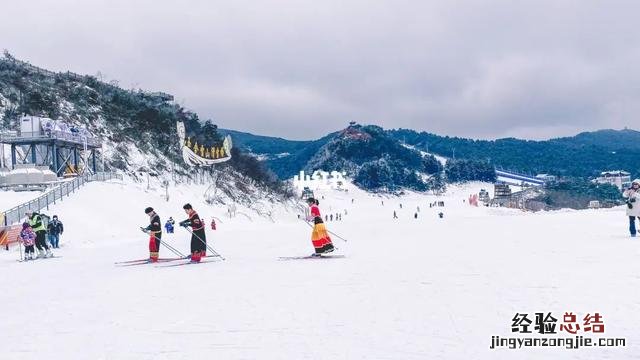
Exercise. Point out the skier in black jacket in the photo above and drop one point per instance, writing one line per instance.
(155, 233)
(55, 229)
(198, 238)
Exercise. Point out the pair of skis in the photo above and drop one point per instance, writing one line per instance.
(203, 261)
(146, 261)
(39, 258)
(284, 258)
(161, 261)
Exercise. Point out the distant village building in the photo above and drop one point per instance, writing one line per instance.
(547, 178)
(484, 196)
(501, 191)
(619, 178)
(517, 179)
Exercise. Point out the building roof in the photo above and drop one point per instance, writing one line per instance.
(615, 173)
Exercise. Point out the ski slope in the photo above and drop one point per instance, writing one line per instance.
(425, 288)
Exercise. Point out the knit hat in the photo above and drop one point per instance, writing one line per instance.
(148, 210)
(25, 225)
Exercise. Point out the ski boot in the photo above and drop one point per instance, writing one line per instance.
(48, 254)
(41, 254)
(195, 257)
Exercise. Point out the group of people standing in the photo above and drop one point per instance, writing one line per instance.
(198, 237)
(319, 236)
(34, 234)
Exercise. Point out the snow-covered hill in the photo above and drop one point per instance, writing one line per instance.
(425, 288)
(136, 128)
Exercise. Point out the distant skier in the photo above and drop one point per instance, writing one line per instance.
(415, 215)
(418, 208)
(55, 229)
(331, 217)
(319, 236)
(352, 201)
(35, 221)
(155, 233)
(441, 215)
(400, 205)
(632, 194)
(28, 238)
(213, 224)
(198, 239)
(395, 216)
(169, 225)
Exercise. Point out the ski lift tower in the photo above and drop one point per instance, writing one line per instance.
(46, 142)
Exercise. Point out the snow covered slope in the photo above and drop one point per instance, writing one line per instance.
(425, 288)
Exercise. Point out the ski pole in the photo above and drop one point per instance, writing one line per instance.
(205, 244)
(171, 248)
(336, 235)
(330, 232)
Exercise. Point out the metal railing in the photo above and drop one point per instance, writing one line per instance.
(49, 134)
(15, 214)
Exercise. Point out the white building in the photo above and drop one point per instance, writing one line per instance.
(546, 177)
(619, 178)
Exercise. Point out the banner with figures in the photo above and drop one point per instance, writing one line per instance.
(202, 154)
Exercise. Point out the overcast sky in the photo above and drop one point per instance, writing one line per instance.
(300, 69)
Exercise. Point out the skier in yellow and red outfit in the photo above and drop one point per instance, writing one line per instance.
(319, 236)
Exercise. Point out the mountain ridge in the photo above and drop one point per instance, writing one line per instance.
(601, 150)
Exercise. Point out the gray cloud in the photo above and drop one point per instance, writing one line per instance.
(299, 69)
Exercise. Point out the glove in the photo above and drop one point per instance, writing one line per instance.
(143, 229)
